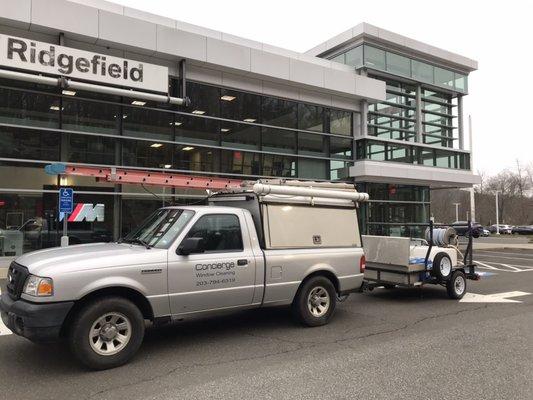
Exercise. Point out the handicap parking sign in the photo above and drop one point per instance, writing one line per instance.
(66, 200)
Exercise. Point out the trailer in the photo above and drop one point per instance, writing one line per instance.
(404, 262)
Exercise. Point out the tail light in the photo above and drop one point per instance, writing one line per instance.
(362, 264)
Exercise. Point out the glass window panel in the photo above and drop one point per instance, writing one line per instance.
(421, 71)
(338, 169)
(397, 64)
(205, 99)
(240, 106)
(312, 169)
(341, 148)
(425, 157)
(374, 58)
(398, 153)
(90, 116)
(354, 57)
(279, 112)
(340, 122)
(443, 77)
(239, 162)
(29, 144)
(199, 159)
(443, 159)
(240, 135)
(279, 140)
(340, 58)
(25, 108)
(311, 144)
(147, 123)
(310, 117)
(140, 153)
(461, 82)
(277, 165)
(92, 149)
(197, 130)
(375, 151)
(219, 232)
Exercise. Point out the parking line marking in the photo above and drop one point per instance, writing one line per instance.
(486, 265)
(510, 258)
(3, 329)
(511, 267)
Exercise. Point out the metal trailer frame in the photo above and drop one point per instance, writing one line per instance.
(419, 274)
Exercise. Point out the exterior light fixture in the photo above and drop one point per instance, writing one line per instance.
(138, 103)
(188, 148)
(228, 98)
(156, 145)
(198, 112)
(69, 92)
(249, 120)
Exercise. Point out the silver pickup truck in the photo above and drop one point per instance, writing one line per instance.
(262, 245)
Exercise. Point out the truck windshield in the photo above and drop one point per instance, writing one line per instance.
(160, 229)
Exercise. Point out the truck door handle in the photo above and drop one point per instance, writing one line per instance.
(242, 262)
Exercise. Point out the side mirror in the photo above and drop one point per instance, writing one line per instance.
(191, 245)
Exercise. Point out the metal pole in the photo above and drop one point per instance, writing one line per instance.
(457, 211)
(497, 215)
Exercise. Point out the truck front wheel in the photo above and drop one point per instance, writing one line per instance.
(106, 333)
(315, 301)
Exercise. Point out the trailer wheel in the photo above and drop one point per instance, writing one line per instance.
(315, 301)
(442, 266)
(106, 333)
(456, 286)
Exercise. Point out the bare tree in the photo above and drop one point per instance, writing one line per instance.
(483, 179)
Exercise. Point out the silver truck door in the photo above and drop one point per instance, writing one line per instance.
(223, 276)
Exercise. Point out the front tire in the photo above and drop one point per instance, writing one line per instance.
(106, 333)
(456, 286)
(315, 301)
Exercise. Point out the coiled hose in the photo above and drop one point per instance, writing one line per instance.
(444, 237)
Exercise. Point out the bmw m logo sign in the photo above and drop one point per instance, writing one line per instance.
(86, 212)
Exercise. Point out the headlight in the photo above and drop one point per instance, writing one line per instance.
(37, 286)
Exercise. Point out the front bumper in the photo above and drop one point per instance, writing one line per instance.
(39, 322)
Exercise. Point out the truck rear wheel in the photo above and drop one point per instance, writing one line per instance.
(106, 333)
(315, 301)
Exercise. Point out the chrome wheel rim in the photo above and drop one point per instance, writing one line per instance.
(318, 301)
(445, 266)
(110, 333)
(459, 285)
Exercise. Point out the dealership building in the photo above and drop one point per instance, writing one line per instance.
(93, 83)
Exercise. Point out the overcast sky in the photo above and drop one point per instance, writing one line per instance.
(496, 34)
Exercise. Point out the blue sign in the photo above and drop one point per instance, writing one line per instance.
(66, 200)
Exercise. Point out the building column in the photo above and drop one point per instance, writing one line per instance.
(418, 114)
(460, 127)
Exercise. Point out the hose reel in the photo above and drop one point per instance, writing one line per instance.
(443, 237)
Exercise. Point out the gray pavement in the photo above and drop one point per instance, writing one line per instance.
(385, 344)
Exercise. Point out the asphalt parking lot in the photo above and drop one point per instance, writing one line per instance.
(384, 344)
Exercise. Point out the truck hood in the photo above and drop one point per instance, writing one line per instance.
(89, 256)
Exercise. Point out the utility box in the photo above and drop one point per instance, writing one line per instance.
(11, 243)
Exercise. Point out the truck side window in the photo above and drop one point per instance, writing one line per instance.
(221, 232)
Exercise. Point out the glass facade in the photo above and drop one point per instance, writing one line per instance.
(225, 132)
(383, 60)
(395, 210)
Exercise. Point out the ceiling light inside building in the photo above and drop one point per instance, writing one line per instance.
(167, 166)
(138, 103)
(156, 145)
(227, 98)
(188, 148)
(54, 108)
(176, 123)
(69, 92)
(198, 112)
(249, 120)
(225, 130)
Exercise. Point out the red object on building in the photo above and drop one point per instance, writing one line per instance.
(120, 175)
(2, 203)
